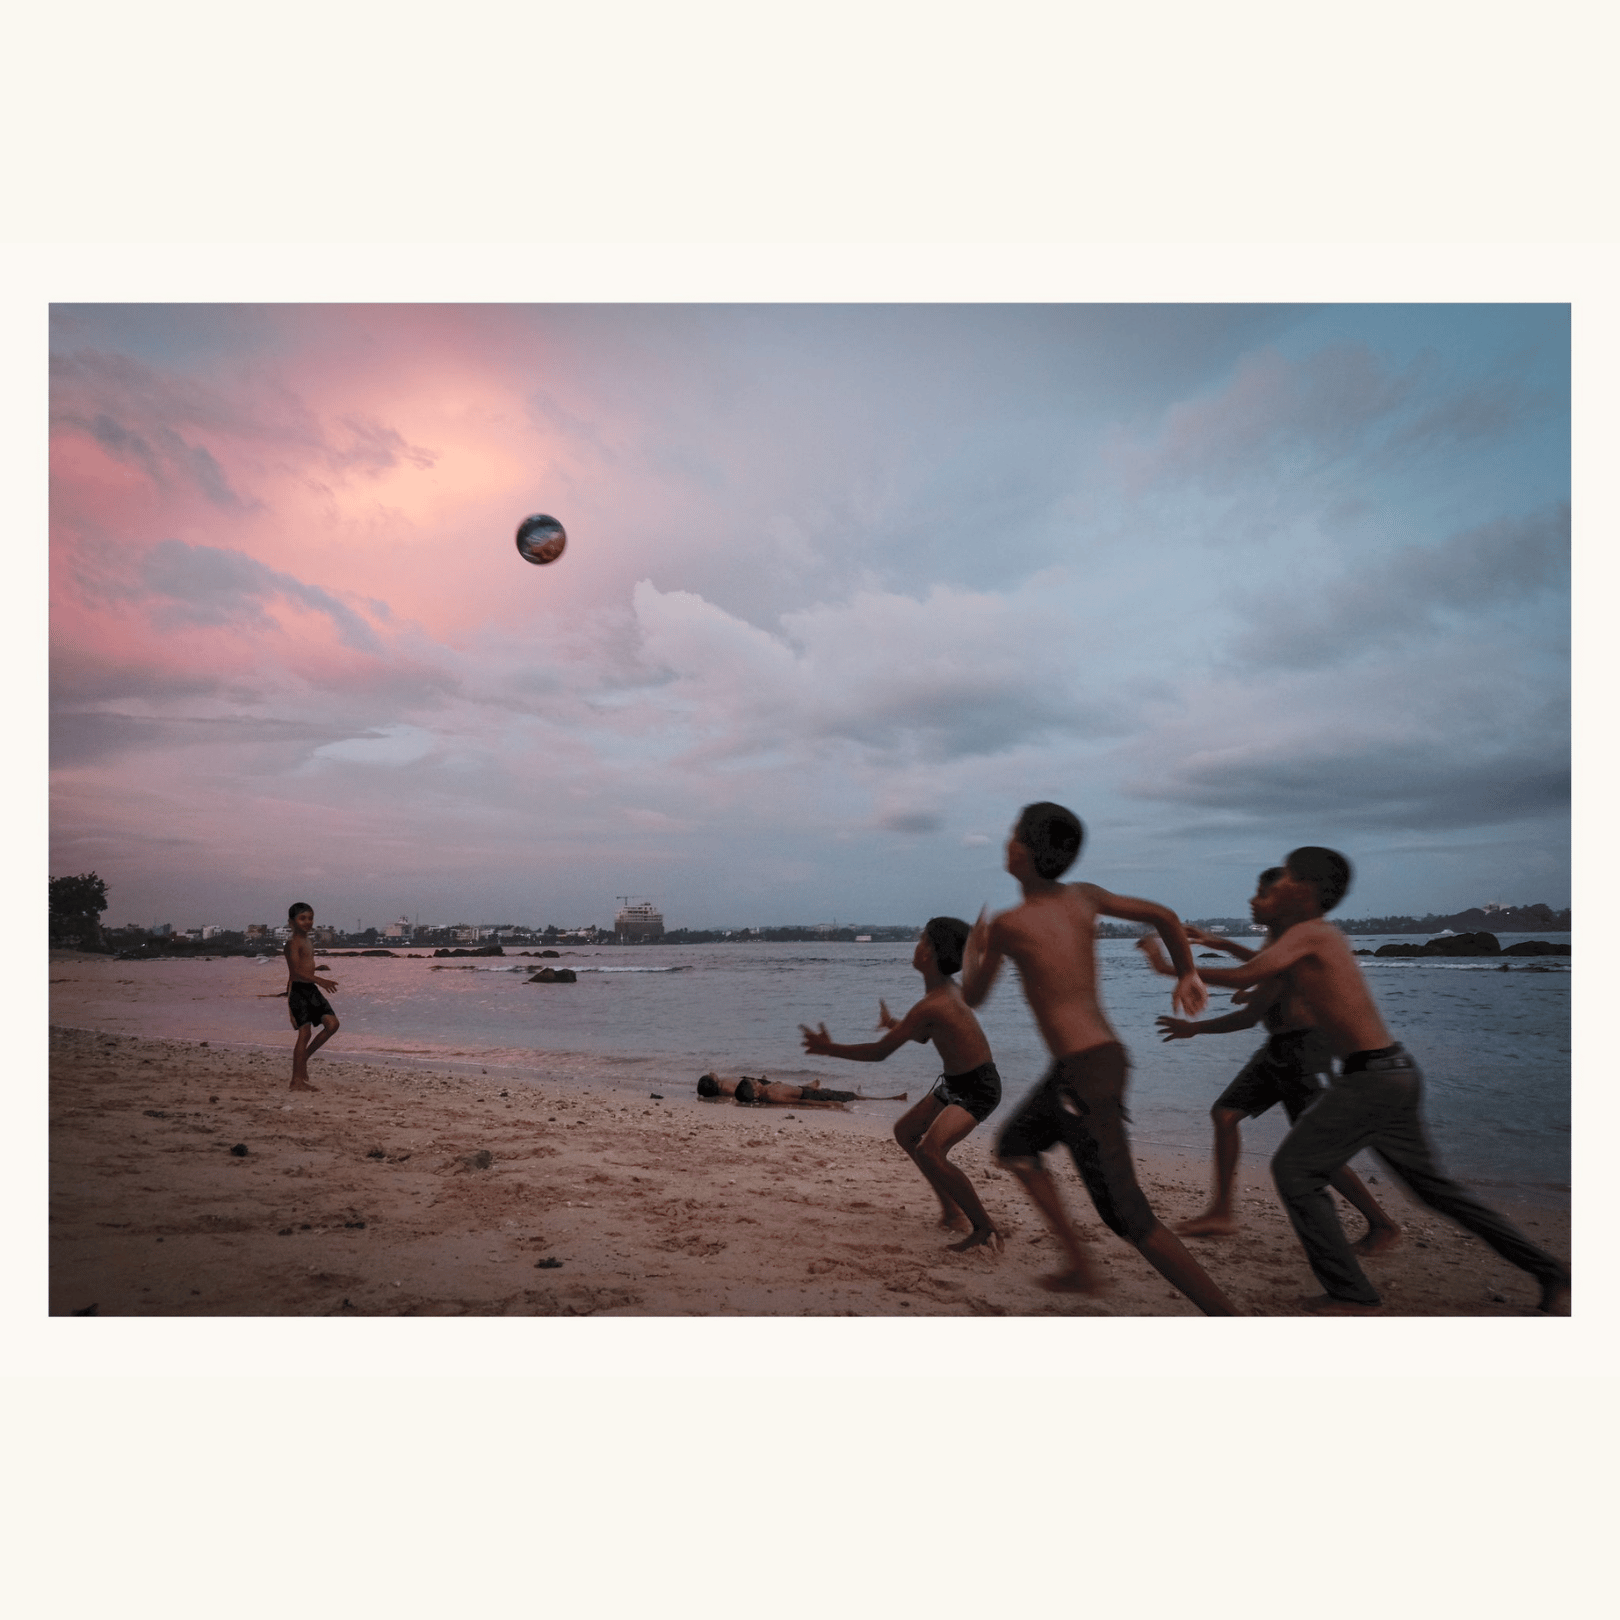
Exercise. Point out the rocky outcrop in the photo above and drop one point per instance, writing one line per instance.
(1477, 944)
(549, 975)
(479, 950)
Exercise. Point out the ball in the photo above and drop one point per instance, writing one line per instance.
(540, 539)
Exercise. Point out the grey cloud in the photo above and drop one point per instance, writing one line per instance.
(911, 821)
(376, 448)
(1406, 785)
(1401, 596)
(172, 455)
(211, 586)
(88, 737)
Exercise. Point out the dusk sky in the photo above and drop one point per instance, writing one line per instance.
(844, 587)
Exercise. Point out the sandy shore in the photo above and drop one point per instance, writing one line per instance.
(405, 1192)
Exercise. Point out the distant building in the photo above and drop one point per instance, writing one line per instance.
(398, 930)
(323, 934)
(637, 920)
(256, 931)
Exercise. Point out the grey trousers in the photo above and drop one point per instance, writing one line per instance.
(1379, 1108)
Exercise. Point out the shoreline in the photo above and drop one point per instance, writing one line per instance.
(371, 1196)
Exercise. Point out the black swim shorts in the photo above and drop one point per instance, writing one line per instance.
(1284, 1071)
(308, 1005)
(978, 1091)
(1081, 1103)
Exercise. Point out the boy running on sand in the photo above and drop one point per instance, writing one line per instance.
(306, 1006)
(1051, 937)
(967, 1093)
(1284, 1071)
(1375, 1102)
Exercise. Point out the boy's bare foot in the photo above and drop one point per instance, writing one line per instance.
(300, 1084)
(989, 1238)
(1554, 1297)
(1327, 1305)
(1069, 1282)
(1207, 1226)
(1377, 1240)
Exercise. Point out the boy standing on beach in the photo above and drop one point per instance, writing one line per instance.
(967, 1093)
(1284, 1070)
(1375, 1102)
(306, 1006)
(1051, 937)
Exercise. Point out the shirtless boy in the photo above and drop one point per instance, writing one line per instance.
(1375, 1102)
(1050, 938)
(967, 1093)
(1284, 1071)
(306, 1006)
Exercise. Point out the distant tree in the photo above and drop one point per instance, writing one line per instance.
(76, 907)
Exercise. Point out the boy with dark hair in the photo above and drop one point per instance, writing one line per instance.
(1375, 1102)
(967, 1093)
(1051, 939)
(306, 1006)
(1284, 1070)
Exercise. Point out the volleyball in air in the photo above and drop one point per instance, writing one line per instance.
(540, 539)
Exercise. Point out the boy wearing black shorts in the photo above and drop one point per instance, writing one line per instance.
(1051, 939)
(967, 1093)
(306, 1006)
(1285, 1070)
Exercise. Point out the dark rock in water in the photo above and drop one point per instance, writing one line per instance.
(481, 1160)
(1208, 956)
(1536, 947)
(1480, 944)
(550, 975)
(1361, 953)
(240, 1150)
(548, 953)
(481, 950)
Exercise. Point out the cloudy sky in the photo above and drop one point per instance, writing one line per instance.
(844, 587)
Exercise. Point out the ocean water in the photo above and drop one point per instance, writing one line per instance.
(1494, 1046)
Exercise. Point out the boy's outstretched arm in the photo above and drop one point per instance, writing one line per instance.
(981, 960)
(913, 1027)
(1245, 1017)
(1277, 957)
(1218, 942)
(1189, 995)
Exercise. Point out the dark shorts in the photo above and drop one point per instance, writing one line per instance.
(1081, 1103)
(1284, 1071)
(978, 1091)
(308, 1005)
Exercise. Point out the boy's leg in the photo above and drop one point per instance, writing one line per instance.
(1217, 1220)
(949, 1180)
(1405, 1147)
(1382, 1233)
(1091, 1096)
(909, 1131)
(1342, 1121)
(1081, 1276)
(329, 1028)
(300, 1072)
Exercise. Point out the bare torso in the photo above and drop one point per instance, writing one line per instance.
(954, 1030)
(1051, 939)
(300, 956)
(1327, 986)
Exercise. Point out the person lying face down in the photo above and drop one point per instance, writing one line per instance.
(752, 1090)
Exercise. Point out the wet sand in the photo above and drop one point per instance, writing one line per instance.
(405, 1192)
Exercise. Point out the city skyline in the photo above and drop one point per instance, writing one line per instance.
(844, 586)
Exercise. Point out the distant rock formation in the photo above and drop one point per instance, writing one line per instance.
(550, 975)
(480, 950)
(1475, 944)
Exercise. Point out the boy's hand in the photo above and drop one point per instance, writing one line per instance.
(1150, 947)
(1202, 936)
(326, 984)
(886, 1019)
(817, 1042)
(1175, 1029)
(1190, 995)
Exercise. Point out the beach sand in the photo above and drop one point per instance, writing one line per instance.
(405, 1192)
